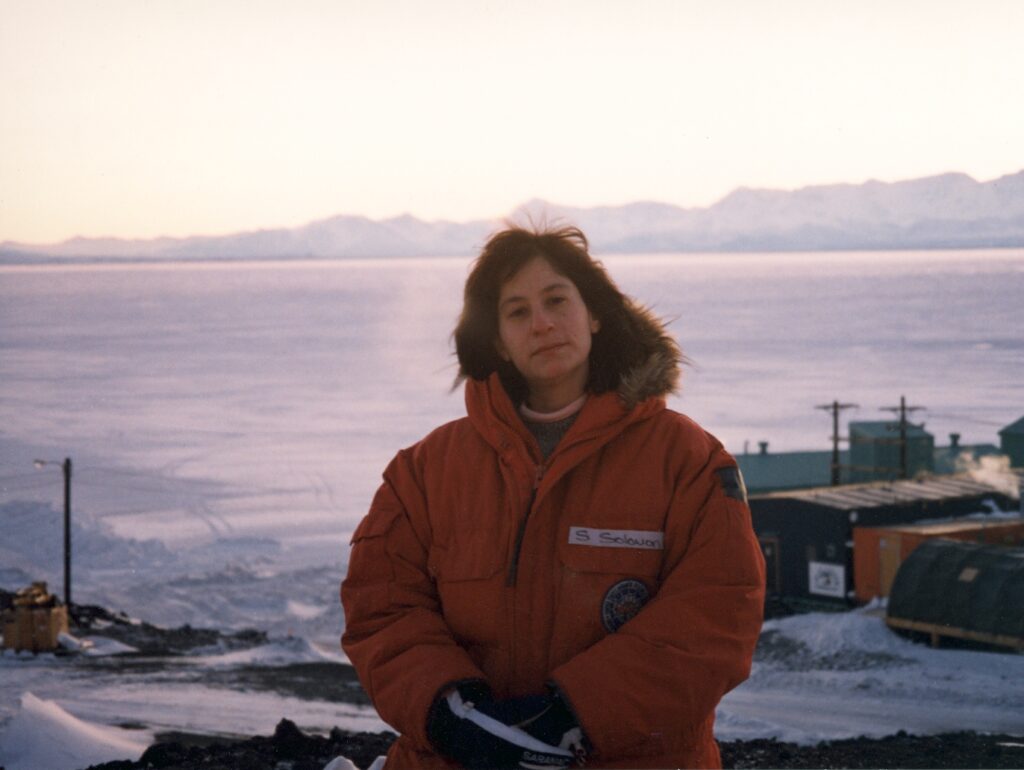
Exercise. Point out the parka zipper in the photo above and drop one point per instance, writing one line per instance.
(513, 568)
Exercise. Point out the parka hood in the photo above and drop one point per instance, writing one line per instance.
(658, 374)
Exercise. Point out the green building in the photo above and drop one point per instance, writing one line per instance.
(878, 452)
(874, 455)
(1011, 441)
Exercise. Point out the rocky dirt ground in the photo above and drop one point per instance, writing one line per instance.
(289, 749)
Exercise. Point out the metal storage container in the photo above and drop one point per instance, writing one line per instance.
(961, 590)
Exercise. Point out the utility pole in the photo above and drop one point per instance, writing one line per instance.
(902, 410)
(835, 407)
(66, 468)
(67, 532)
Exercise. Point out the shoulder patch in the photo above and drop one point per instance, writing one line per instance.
(732, 483)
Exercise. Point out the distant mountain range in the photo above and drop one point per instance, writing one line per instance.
(949, 211)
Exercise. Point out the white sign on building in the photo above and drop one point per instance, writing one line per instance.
(826, 579)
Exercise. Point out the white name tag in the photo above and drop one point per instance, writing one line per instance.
(617, 538)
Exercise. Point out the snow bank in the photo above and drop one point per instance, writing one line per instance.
(340, 763)
(231, 583)
(344, 763)
(42, 734)
(281, 652)
(101, 646)
(825, 676)
(231, 597)
(836, 634)
(94, 647)
(96, 546)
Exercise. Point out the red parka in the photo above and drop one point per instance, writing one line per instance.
(623, 570)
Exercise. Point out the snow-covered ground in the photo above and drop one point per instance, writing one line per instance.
(826, 676)
(44, 735)
(104, 703)
(228, 583)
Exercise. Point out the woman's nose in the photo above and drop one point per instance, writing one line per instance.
(541, 320)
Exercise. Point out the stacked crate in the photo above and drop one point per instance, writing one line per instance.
(35, 620)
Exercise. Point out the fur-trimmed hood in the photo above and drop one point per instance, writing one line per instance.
(659, 373)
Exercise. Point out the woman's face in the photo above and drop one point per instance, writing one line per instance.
(544, 330)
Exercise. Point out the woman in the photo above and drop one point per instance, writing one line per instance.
(572, 559)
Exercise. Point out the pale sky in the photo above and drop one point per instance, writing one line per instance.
(141, 118)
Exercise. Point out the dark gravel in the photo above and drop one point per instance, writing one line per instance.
(290, 749)
(156, 640)
(950, 750)
(287, 749)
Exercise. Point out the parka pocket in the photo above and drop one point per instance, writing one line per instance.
(470, 585)
(641, 562)
(367, 589)
(375, 524)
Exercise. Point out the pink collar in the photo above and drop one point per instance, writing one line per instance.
(566, 411)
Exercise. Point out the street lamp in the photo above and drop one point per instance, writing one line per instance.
(66, 466)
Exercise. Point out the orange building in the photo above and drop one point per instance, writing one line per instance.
(879, 551)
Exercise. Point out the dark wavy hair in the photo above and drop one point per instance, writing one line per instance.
(617, 347)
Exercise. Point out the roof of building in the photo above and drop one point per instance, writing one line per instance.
(881, 493)
(1014, 427)
(885, 429)
(953, 526)
(775, 471)
(787, 470)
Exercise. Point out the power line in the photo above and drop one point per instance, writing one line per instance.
(34, 475)
(134, 511)
(123, 472)
(25, 486)
(965, 418)
(128, 487)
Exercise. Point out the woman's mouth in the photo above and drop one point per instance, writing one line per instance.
(548, 348)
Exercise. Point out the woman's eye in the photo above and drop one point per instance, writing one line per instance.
(556, 300)
(519, 312)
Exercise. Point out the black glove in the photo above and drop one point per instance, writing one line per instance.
(545, 717)
(461, 729)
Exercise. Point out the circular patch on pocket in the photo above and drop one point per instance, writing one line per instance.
(623, 601)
